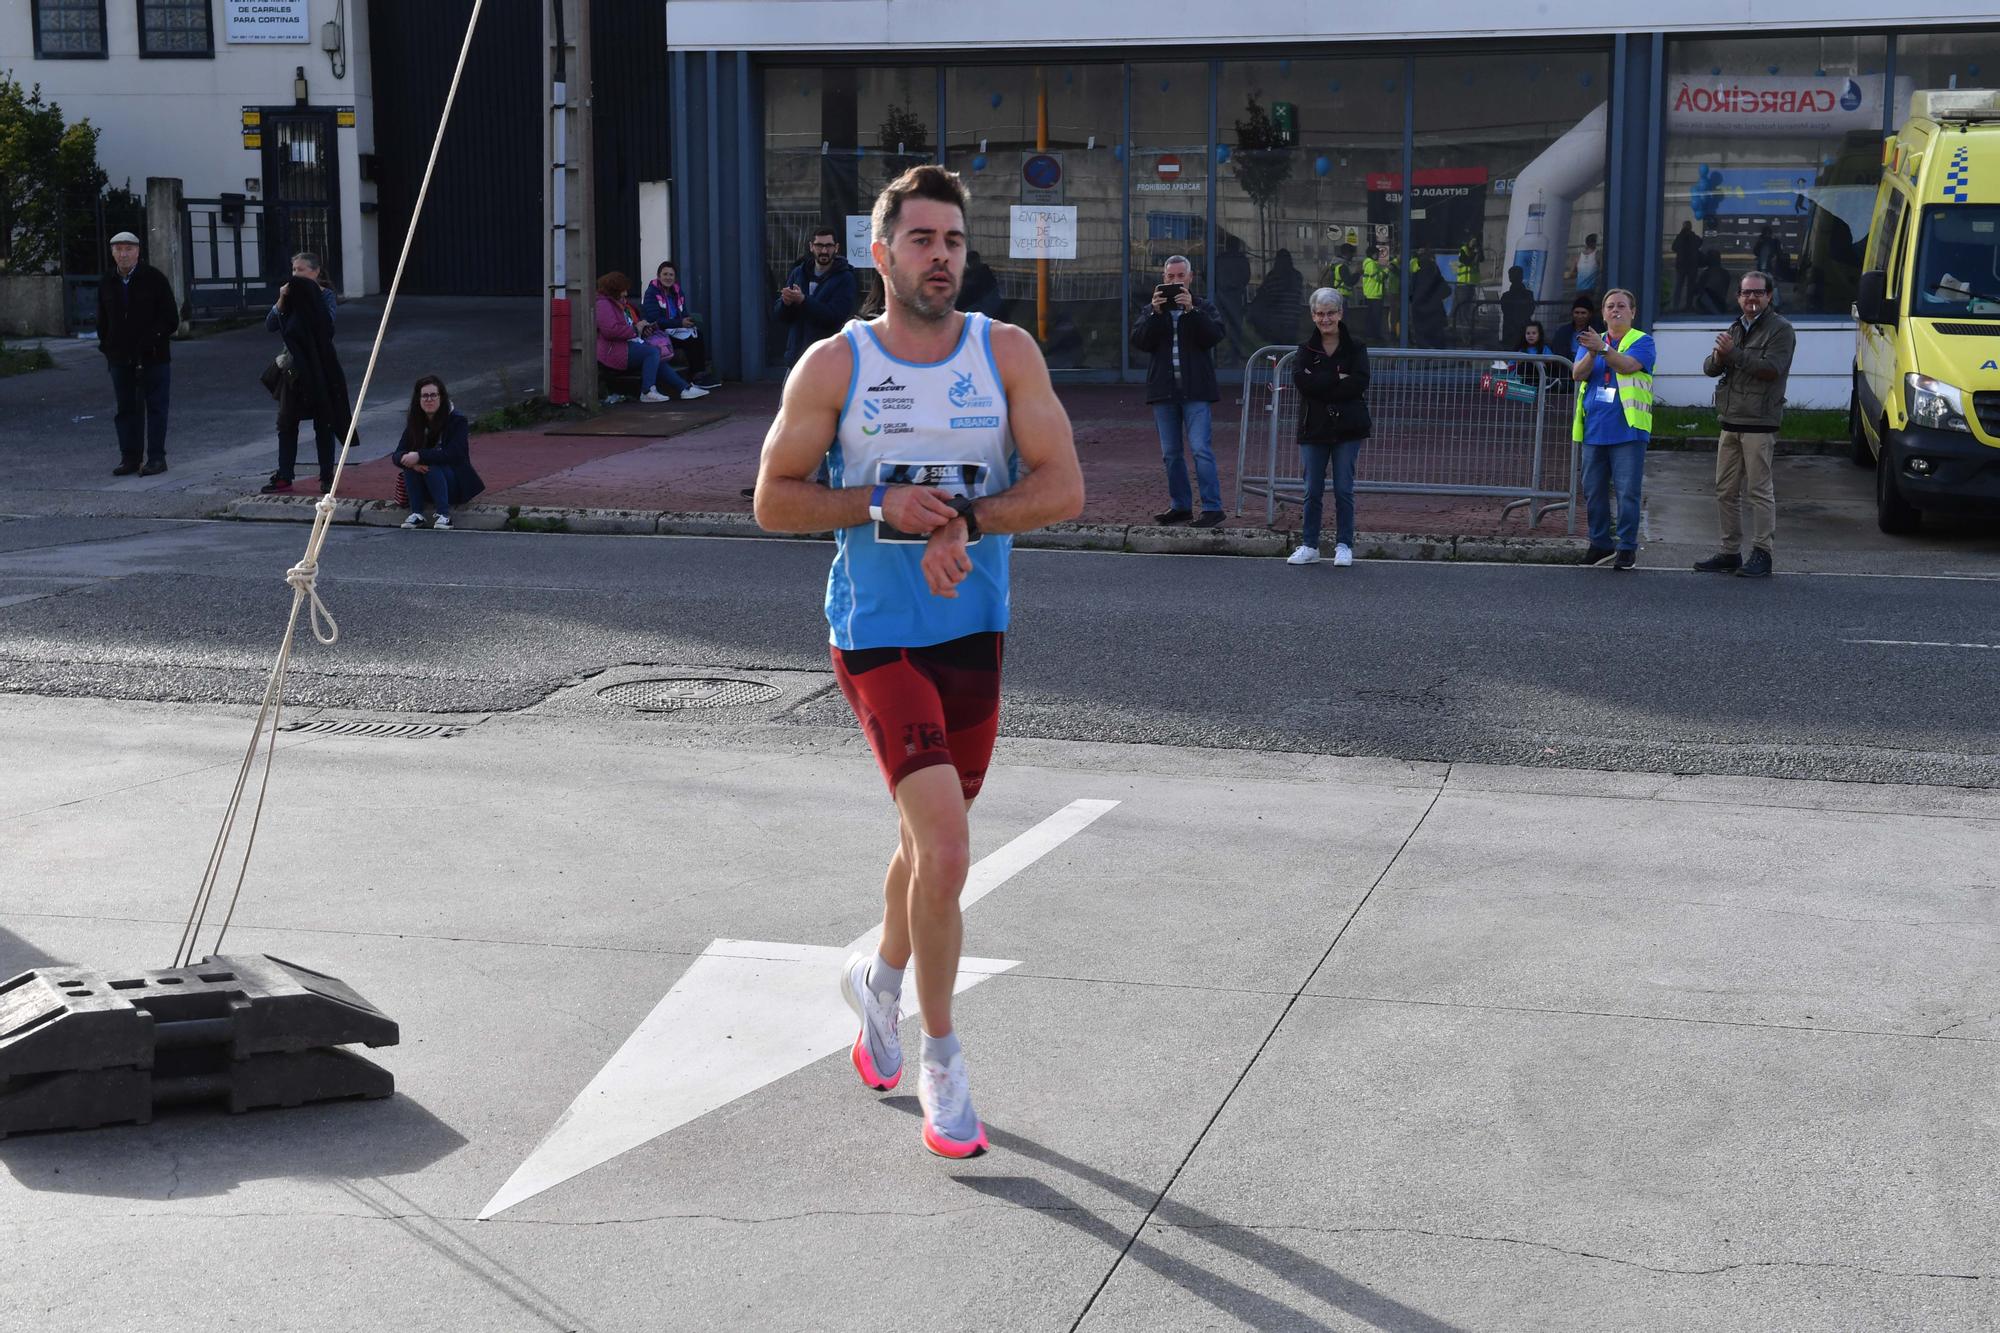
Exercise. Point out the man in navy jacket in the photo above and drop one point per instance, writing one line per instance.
(818, 297)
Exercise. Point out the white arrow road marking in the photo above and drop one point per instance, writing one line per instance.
(745, 1014)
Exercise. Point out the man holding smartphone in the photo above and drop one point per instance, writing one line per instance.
(1179, 332)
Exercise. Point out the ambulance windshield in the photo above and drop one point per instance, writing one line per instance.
(1958, 263)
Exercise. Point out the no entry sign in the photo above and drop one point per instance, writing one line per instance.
(1168, 167)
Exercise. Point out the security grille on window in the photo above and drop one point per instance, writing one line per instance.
(175, 28)
(69, 28)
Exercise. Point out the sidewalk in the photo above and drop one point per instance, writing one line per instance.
(691, 483)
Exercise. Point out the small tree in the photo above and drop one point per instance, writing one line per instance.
(902, 134)
(1261, 164)
(48, 171)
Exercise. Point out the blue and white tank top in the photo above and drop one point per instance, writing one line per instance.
(905, 423)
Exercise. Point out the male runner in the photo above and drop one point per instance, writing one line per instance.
(924, 418)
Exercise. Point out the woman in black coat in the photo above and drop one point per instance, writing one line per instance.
(435, 454)
(315, 376)
(1330, 371)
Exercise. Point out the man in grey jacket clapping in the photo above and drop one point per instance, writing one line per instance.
(1751, 363)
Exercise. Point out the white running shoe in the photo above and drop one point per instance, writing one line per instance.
(951, 1129)
(878, 1052)
(692, 392)
(654, 396)
(1305, 555)
(1342, 555)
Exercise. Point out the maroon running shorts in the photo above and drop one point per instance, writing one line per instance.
(924, 706)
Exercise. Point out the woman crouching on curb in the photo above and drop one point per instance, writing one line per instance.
(436, 456)
(1330, 371)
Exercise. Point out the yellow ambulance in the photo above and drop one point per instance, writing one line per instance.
(1926, 405)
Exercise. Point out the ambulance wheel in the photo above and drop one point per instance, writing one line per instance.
(1893, 514)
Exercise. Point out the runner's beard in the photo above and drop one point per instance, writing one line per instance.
(923, 303)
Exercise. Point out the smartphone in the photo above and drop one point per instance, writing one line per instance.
(1171, 290)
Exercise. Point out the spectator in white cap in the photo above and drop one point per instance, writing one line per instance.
(136, 319)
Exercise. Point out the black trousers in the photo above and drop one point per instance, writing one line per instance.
(292, 409)
(694, 355)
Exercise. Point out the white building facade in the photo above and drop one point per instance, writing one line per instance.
(261, 108)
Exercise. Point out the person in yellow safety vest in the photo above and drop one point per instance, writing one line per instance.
(1469, 256)
(1378, 270)
(1613, 424)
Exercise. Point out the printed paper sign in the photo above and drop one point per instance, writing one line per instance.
(266, 21)
(1042, 231)
(859, 233)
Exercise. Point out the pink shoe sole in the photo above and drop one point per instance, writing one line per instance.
(865, 1066)
(951, 1148)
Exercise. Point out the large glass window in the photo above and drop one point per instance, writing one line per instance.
(1944, 60)
(1044, 134)
(1773, 147)
(833, 137)
(1309, 150)
(1507, 205)
(1167, 213)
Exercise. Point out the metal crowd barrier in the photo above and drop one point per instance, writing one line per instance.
(1445, 423)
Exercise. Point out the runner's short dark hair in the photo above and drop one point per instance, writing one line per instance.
(929, 181)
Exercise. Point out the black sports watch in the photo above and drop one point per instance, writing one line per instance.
(962, 505)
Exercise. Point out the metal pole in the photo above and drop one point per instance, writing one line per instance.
(1042, 146)
(569, 372)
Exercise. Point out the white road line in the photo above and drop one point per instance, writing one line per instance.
(745, 1014)
(1919, 643)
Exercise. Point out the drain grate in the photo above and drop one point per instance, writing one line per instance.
(398, 730)
(674, 693)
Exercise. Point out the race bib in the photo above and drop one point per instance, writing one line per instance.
(967, 479)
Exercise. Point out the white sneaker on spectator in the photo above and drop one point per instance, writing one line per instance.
(415, 521)
(654, 396)
(693, 391)
(442, 523)
(1342, 555)
(1305, 555)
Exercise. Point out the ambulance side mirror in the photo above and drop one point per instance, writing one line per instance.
(1871, 301)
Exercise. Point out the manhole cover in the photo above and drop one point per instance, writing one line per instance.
(678, 692)
(401, 730)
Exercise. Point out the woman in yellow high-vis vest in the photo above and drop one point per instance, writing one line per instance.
(1613, 424)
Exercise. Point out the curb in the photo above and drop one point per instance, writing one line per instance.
(1134, 539)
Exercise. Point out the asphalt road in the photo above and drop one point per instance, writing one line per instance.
(1874, 679)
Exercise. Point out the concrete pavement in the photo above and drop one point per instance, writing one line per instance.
(1294, 1042)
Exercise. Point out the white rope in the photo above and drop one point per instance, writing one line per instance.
(304, 579)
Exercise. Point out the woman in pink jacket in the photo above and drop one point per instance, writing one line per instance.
(622, 344)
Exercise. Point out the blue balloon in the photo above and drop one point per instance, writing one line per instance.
(996, 99)
(1222, 152)
(1819, 74)
(1285, 67)
(1333, 85)
(1770, 69)
(1166, 84)
(1583, 80)
(1118, 152)
(1972, 71)
(1388, 85)
(979, 162)
(1322, 165)
(1715, 70)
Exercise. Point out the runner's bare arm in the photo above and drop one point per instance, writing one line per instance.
(788, 500)
(1052, 491)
